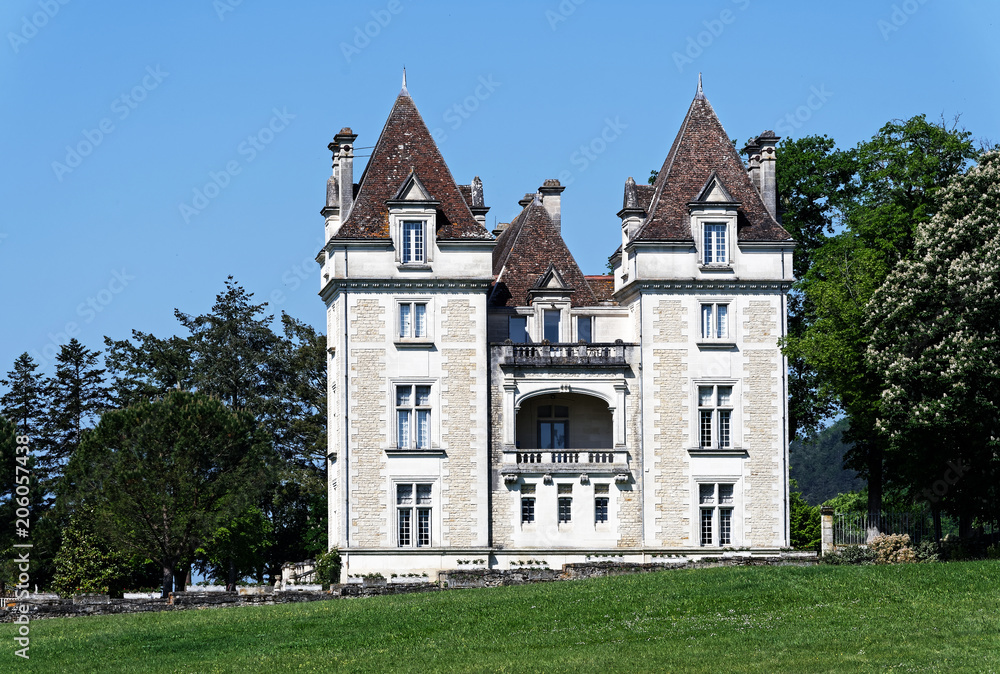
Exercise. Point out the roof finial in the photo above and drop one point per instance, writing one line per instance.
(700, 96)
(404, 91)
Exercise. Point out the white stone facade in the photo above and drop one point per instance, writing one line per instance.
(655, 424)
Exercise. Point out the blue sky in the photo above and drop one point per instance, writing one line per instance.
(114, 113)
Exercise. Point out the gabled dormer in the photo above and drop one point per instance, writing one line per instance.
(413, 223)
(714, 214)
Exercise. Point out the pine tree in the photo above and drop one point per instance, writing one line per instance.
(77, 397)
(24, 402)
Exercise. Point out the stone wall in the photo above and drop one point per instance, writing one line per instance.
(668, 475)
(461, 436)
(502, 502)
(629, 496)
(761, 419)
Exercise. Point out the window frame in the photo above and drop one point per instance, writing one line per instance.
(727, 220)
(510, 330)
(406, 228)
(397, 227)
(713, 334)
(719, 415)
(416, 513)
(564, 503)
(413, 408)
(412, 337)
(718, 513)
(588, 320)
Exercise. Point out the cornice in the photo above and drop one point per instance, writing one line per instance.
(341, 284)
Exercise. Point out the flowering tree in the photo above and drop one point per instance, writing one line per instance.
(935, 326)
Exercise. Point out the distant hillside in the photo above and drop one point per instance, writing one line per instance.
(817, 464)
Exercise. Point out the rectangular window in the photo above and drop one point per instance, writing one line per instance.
(527, 503)
(714, 321)
(553, 427)
(600, 509)
(584, 329)
(551, 319)
(715, 244)
(413, 242)
(409, 508)
(413, 320)
(565, 509)
(716, 508)
(413, 416)
(517, 329)
(715, 414)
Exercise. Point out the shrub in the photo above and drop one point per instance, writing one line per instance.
(328, 568)
(850, 554)
(892, 549)
(927, 551)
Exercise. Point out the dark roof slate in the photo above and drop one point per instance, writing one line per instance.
(406, 145)
(701, 147)
(524, 253)
(603, 287)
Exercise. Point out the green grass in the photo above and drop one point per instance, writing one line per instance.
(930, 617)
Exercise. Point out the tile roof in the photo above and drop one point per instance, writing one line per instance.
(406, 145)
(701, 147)
(523, 254)
(603, 287)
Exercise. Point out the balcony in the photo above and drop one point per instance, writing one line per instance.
(563, 461)
(562, 355)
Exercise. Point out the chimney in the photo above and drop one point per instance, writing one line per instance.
(632, 213)
(500, 228)
(343, 149)
(551, 192)
(525, 200)
(768, 177)
(752, 151)
(477, 206)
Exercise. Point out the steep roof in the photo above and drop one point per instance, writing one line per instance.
(701, 147)
(406, 146)
(524, 253)
(602, 286)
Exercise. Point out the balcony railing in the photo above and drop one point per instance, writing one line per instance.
(563, 354)
(611, 461)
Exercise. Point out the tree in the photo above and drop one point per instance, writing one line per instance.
(935, 345)
(24, 402)
(900, 173)
(804, 521)
(86, 562)
(148, 369)
(237, 549)
(163, 476)
(77, 397)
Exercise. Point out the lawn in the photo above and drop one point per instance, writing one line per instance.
(918, 617)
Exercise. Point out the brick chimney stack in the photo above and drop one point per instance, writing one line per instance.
(551, 192)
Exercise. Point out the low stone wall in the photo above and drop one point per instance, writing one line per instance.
(48, 607)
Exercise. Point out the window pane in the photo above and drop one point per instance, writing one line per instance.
(724, 417)
(715, 244)
(706, 321)
(404, 320)
(517, 328)
(601, 509)
(551, 319)
(423, 527)
(565, 489)
(423, 396)
(527, 488)
(423, 429)
(403, 395)
(408, 242)
(706, 526)
(561, 412)
(420, 324)
(725, 493)
(403, 428)
(565, 509)
(705, 396)
(413, 242)
(404, 526)
(600, 489)
(545, 435)
(706, 493)
(720, 244)
(707, 247)
(722, 327)
(527, 510)
(423, 494)
(545, 411)
(404, 494)
(559, 434)
(725, 396)
(725, 526)
(706, 428)
(584, 325)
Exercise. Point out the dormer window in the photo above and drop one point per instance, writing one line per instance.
(413, 250)
(715, 244)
